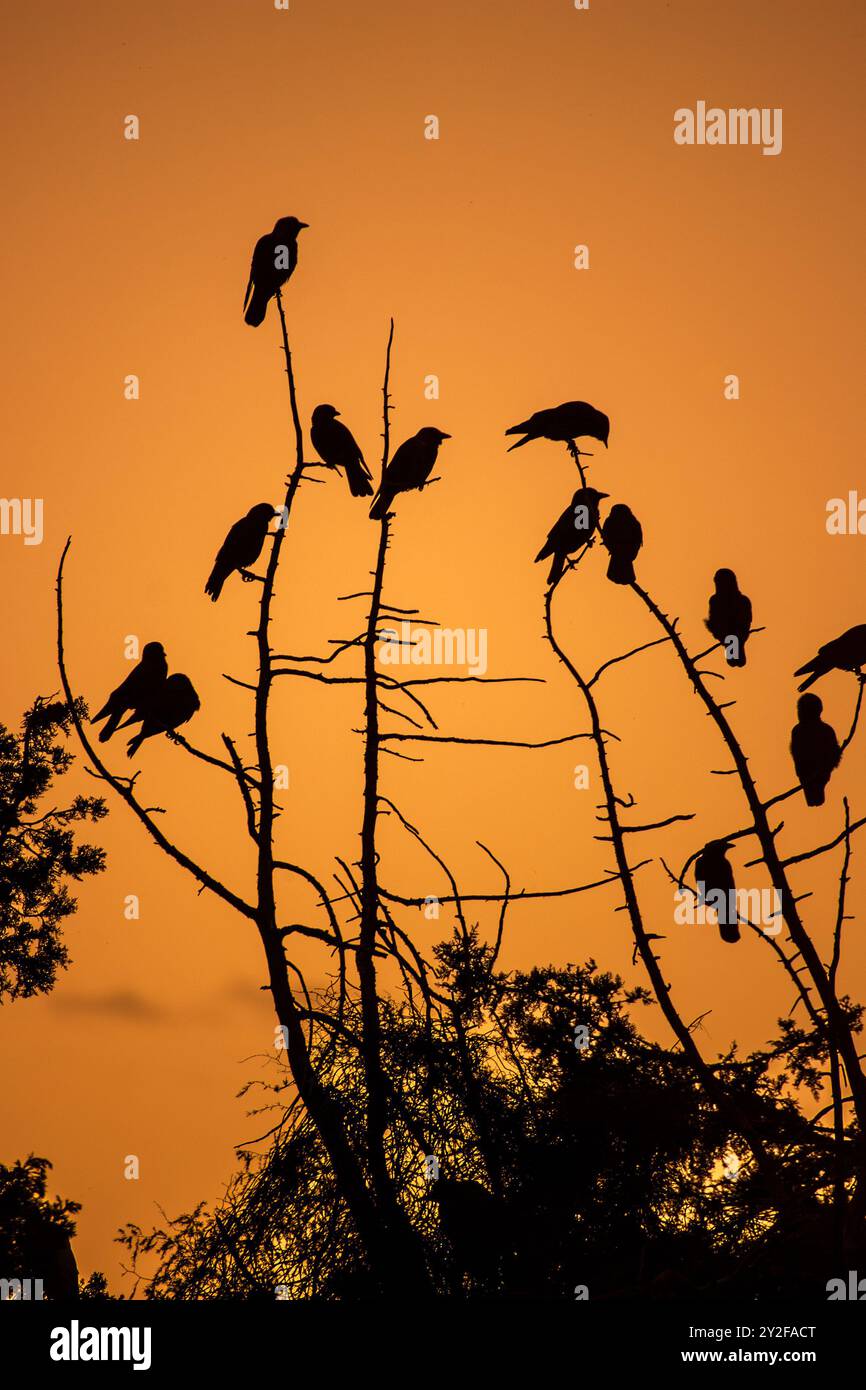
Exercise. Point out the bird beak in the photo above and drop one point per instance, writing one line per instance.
(605, 443)
(302, 224)
(603, 494)
(443, 435)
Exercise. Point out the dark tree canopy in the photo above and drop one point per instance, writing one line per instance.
(39, 850)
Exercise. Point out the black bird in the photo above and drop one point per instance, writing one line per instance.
(337, 446)
(564, 423)
(410, 468)
(173, 704)
(275, 256)
(621, 534)
(845, 653)
(713, 875)
(241, 547)
(140, 686)
(573, 530)
(474, 1223)
(730, 617)
(50, 1257)
(814, 748)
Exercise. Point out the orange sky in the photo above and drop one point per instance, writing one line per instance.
(556, 128)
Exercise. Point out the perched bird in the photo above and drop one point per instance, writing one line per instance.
(730, 617)
(814, 748)
(275, 256)
(140, 686)
(845, 653)
(173, 704)
(337, 446)
(410, 468)
(474, 1223)
(241, 547)
(715, 877)
(621, 534)
(573, 530)
(573, 420)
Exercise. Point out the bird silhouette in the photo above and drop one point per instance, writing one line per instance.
(173, 704)
(845, 653)
(563, 423)
(573, 530)
(241, 547)
(622, 536)
(275, 256)
(814, 748)
(714, 876)
(730, 617)
(410, 468)
(140, 685)
(337, 446)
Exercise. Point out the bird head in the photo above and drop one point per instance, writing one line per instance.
(324, 412)
(725, 581)
(153, 651)
(588, 494)
(289, 227)
(263, 513)
(717, 849)
(432, 436)
(809, 708)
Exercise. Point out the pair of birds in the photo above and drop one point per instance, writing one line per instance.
(621, 535)
(409, 468)
(151, 697)
(814, 746)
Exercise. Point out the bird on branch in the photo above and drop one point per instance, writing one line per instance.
(845, 653)
(139, 687)
(574, 529)
(730, 617)
(337, 446)
(814, 748)
(563, 424)
(241, 547)
(275, 256)
(622, 537)
(410, 468)
(716, 889)
(172, 705)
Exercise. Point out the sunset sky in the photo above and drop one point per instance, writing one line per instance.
(555, 130)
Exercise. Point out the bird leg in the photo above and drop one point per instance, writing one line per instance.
(247, 576)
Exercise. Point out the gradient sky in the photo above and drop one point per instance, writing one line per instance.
(556, 128)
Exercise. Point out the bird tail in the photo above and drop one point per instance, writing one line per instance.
(256, 309)
(110, 726)
(729, 932)
(556, 568)
(814, 793)
(739, 660)
(381, 503)
(214, 586)
(135, 743)
(620, 570)
(358, 480)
